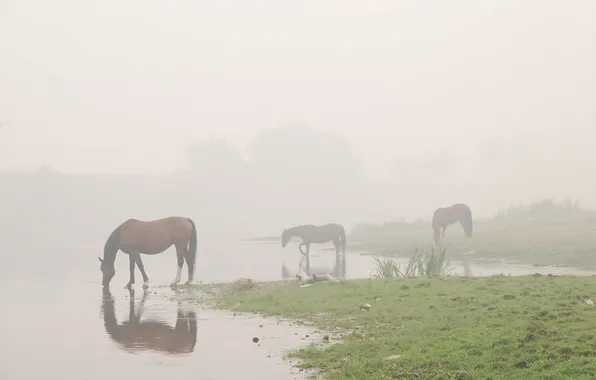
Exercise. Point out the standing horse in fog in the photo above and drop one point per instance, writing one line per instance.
(312, 234)
(445, 216)
(134, 237)
(136, 335)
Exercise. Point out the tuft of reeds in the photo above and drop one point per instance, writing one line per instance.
(432, 262)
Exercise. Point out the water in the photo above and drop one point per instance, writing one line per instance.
(53, 326)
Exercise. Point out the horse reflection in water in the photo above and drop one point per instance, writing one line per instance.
(135, 335)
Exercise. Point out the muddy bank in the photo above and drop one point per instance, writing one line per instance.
(66, 329)
(256, 345)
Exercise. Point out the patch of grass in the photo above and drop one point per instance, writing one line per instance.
(530, 327)
(542, 233)
(432, 262)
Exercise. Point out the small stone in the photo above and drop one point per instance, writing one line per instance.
(393, 357)
(365, 307)
(255, 339)
(589, 302)
(326, 338)
(243, 283)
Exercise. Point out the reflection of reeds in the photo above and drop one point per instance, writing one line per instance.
(432, 262)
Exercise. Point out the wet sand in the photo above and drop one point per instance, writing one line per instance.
(53, 327)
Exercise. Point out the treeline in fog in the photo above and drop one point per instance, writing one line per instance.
(288, 175)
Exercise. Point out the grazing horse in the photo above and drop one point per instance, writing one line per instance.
(150, 238)
(310, 234)
(445, 216)
(149, 335)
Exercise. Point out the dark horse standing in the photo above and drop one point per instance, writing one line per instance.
(445, 216)
(150, 238)
(318, 235)
(134, 335)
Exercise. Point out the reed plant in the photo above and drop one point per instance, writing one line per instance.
(432, 262)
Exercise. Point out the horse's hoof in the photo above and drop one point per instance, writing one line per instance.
(145, 286)
(173, 285)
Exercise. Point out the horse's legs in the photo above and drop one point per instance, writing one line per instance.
(437, 235)
(180, 255)
(141, 307)
(131, 305)
(181, 326)
(300, 248)
(131, 280)
(139, 262)
(308, 260)
(301, 258)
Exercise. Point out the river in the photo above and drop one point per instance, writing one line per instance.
(54, 324)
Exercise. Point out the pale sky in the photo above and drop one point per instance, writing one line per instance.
(126, 86)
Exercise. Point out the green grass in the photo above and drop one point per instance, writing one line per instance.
(530, 327)
(543, 233)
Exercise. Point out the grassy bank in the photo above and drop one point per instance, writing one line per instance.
(534, 327)
(543, 233)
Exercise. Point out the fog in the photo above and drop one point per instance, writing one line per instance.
(251, 117)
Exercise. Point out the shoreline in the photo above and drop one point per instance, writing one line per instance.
(403, 331)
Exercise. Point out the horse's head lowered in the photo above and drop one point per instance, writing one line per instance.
(285, 238)
(108, 272)
(468, 226)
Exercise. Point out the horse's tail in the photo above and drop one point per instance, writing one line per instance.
(469, 221)
(192, 247)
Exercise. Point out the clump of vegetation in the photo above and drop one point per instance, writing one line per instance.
(543, 209)
(446, 327)
(432, 262)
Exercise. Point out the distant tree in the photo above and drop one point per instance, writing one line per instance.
(306, 175)
(214, 159)
(299, 154)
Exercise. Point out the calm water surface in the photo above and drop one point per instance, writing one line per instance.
(55, 323)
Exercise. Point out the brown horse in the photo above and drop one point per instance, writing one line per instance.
(150, 238)
(149, 335)
(445, 216)
(312, 234)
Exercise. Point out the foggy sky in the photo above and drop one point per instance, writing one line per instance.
(126, 86)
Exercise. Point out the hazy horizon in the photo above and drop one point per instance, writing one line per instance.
(404, 107)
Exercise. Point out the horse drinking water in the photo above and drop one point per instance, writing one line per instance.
(310, 234)
(134, 237)
(445, 216)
